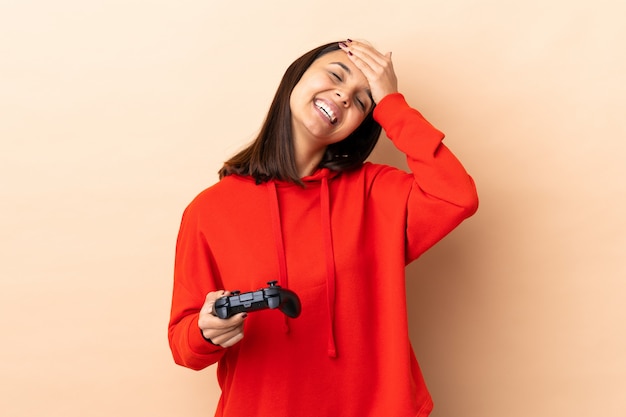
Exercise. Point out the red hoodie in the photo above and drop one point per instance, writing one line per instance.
(342, 244)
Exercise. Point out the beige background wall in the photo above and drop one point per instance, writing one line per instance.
(114, 114)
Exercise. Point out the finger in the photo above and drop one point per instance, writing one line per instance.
(228, 340)
(236, 320)
(376, 65)
(358, 60)
(372, 66)
(211, 323)
(364, 47)
(209, 301)
(223, 336)
(377, 68)
(367, 53)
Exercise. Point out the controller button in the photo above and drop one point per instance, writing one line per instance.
(246, 297)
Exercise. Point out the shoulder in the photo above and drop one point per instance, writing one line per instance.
(373, 170)
(222, 191)
(371, 173)
(230, 195)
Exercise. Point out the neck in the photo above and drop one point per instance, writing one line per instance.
(306, 166)
(307, 158)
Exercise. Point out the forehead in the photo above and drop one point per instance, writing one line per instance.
(335, 58)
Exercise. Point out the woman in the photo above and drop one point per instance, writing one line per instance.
(301, 206)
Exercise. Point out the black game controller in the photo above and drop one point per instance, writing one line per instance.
(271, 297)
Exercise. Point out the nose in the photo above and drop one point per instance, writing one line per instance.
(344, 97)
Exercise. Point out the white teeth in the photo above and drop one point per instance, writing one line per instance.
(326, 109)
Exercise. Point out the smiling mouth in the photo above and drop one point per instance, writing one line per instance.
(327, 111)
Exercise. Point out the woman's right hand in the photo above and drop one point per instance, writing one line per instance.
(222, 332)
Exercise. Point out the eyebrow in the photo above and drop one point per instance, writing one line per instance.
(347, 69)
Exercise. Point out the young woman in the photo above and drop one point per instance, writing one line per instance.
(301, 206)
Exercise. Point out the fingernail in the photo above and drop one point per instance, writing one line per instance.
(343, 44)
(244, 315)
(349, 40)
(350, 53)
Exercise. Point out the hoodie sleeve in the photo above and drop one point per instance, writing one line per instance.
(441, 194)
(194, 277)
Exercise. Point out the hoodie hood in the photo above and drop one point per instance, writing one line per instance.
(321, 176)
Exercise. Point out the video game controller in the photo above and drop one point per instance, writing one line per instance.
(271, 297)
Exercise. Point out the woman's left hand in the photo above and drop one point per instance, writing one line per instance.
(377, 68)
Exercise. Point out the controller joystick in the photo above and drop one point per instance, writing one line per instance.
(271, 297)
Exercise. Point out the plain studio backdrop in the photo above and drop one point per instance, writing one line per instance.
(115, 114)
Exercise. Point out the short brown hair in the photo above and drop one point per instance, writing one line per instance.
(271, 155)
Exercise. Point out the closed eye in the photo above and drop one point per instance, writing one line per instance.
(363, 101)
(360, 103)
(363, 105)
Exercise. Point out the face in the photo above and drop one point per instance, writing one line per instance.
(330, 101)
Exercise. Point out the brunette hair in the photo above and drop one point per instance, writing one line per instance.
(271, 155)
